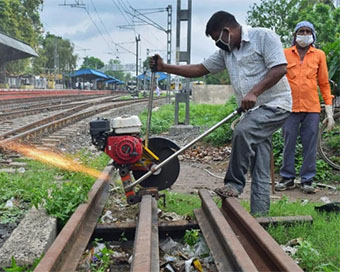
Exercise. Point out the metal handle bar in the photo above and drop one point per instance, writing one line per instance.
(158, 166)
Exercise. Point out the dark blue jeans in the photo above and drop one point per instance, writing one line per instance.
(307, 126)
(251, 147)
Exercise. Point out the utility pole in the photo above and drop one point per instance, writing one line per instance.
(183, 56)
(56, 61)
(137, 41)
(168, 48)
(183, 15)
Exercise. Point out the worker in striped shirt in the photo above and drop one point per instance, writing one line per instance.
(256, 65)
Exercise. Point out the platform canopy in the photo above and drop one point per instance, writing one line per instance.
(13, 49)
(120, 82)
(159, 75)
(89, 74)
(112, 79)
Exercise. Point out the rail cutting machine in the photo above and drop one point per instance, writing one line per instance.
(130, 153)
(152, 161)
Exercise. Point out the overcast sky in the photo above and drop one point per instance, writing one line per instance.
(81, 25)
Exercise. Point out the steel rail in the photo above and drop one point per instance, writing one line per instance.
(33, 97)
(66, 251)
(146, 248)
(263, 250)
(65, 100)
(42, 98)
(228, 253)
(286, 220)
(228, 245)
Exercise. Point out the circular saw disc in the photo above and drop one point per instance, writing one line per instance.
(168, 174)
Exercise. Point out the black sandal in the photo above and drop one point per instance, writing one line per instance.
(227, 191)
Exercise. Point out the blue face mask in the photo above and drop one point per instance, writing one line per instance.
(222, 44)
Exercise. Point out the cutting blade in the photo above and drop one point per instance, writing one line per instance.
(168, 174)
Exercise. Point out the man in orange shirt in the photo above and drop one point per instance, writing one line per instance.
(306, 70)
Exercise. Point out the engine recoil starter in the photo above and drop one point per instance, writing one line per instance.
(124, 149)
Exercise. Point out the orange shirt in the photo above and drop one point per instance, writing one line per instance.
(305, 77)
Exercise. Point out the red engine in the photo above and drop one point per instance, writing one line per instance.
(124, 149)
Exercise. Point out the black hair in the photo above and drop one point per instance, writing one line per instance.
(219, 20)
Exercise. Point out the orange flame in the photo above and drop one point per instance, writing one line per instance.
(52, 158)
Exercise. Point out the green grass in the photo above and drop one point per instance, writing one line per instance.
(182, 204)
(320, 250)
(58, 191)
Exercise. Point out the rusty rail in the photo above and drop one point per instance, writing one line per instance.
(261, 249)
(228, 253)
(146, 253)
(236, 240)
(66, 251)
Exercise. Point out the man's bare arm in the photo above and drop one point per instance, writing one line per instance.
(190, 70)
(272, 77)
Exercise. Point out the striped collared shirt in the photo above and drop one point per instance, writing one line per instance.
(260, 50)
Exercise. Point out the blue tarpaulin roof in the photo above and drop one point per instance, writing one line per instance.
(111, 79)
(117, 81)
(159, 75)
(89, 74)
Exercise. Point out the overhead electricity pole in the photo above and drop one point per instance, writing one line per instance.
(183, 15)
(168, 48)
(183, 56)
(137, 41)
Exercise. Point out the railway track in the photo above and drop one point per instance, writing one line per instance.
(16, 110)
(236, 240)
(18, 127)
(35, 130)
(11, 99)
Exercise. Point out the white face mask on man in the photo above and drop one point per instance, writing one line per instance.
(304, 40)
